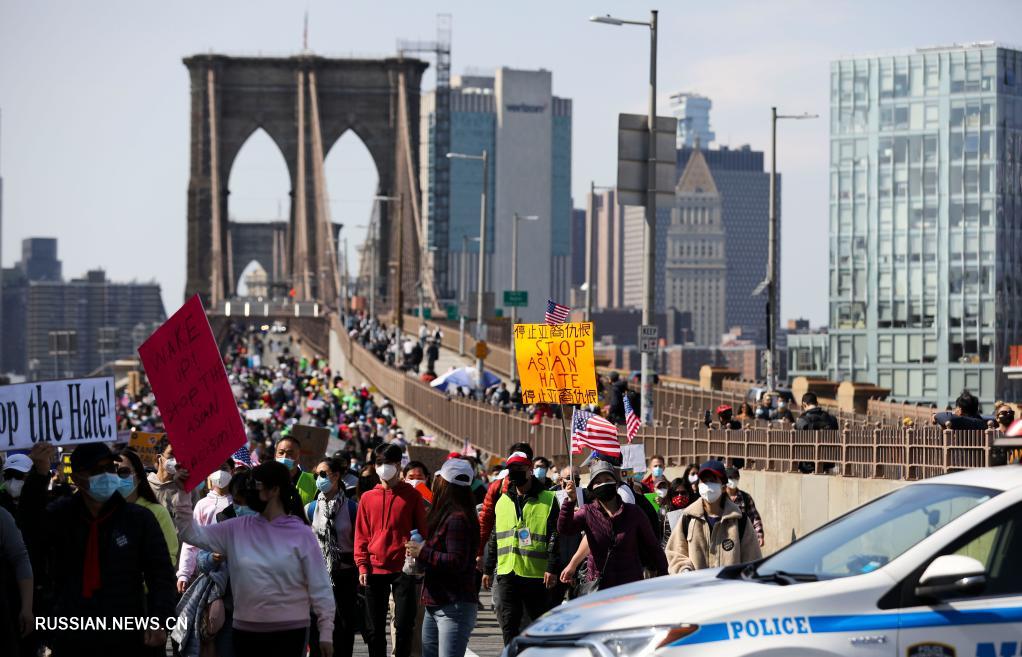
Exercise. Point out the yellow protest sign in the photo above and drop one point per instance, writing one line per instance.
(555, 363)
(145, 444)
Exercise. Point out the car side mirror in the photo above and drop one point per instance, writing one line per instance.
(951, 575)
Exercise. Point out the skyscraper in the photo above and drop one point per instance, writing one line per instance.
(695, 262)
(693, 114)
(526, 131)
(926, 220)
(744, 189)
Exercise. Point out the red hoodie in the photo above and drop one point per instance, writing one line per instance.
(386, 517)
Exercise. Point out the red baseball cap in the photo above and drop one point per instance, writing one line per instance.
(518, 457)
(723, 408)
(453, 455)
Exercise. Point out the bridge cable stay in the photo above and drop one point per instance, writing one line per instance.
(301, 263)
(216, 264)
(428, 287)
(329, 277)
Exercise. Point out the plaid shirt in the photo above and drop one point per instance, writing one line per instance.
(748, 508)
(448, 558)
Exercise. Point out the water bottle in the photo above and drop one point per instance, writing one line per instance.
(410, 567)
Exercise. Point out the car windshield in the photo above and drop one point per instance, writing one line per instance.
(875, 534)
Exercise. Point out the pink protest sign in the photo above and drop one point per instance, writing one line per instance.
(195, 399)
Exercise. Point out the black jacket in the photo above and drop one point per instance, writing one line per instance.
(136, 576)
(816, 418)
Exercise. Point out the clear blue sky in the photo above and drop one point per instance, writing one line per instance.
(95, 102)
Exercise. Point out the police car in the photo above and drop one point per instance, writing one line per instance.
(933, 569)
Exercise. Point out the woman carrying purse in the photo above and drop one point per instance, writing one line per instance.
(621, 540)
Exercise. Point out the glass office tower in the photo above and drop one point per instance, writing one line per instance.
(926, 221)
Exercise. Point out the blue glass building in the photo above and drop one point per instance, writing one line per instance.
(926, 221)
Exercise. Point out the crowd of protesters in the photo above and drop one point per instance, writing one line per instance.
(269, 557)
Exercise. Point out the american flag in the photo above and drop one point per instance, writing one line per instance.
(556, 313)
(631, 420)
(591, 430)
(242, 457)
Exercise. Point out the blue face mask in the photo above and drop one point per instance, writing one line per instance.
(103, 485)
(289, 463)
(126, 486)
(658, 471)
(324, 484)
(637, 476)
(240, 510)
(539, 473)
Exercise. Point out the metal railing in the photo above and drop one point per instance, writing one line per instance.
(880, 452)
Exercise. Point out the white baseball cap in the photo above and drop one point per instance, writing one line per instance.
(457, 471)
(18, 462)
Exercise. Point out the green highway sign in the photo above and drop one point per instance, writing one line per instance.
(516, 298)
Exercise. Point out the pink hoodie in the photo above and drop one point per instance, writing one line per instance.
(277, 572)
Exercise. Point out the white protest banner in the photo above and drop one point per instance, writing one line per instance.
(674, 516)
(65, 412)
(258, 414)
(633, 457)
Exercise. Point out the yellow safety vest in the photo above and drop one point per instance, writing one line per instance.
(523, 560)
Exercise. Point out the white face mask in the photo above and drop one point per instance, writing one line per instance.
(170, 466)
(14, 487)
(220, 479)
(387, 471)
(661, 492)
(693, 478)
(710, 491)
(732, 485)
(414, 482)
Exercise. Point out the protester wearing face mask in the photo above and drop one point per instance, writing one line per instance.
(712, 532)
(286, 452)
(217, 499)
(168, 486)
(656, 470)
(108, 557)
(621, 541)
(416, 475)
(745, 503)
(387, 514)
(277, 570)
(333, 522)
(134, 487)
(15, 471)
(523, 547)
(540, 470)
(691, 478)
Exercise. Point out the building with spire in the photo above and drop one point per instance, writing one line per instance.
(695, 267)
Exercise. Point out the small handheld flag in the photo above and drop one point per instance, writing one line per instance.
(556, 313)
(592, 431)
(631, 420)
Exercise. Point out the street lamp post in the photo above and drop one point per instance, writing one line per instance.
(773, 261)
(514, 282)
(649, 234)
(399, 300)
(481, 281)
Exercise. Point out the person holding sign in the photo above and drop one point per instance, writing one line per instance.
(277, 569)
(109, 558)
(620, 537)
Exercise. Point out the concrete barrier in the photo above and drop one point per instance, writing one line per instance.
(794, 504)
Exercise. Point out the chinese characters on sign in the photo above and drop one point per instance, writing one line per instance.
(555, 363)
